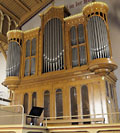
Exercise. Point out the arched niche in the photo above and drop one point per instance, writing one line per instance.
(12, 25)
(46, 103)
(6, 24)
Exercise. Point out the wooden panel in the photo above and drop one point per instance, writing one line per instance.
(97, 99)
(14, 7)
(29, 3)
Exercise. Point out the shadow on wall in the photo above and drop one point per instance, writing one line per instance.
(114, 21)
(114, 14)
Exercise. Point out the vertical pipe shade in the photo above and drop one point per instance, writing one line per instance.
(13, 59)
(25, 103)
(28, 48)
(81, 34)
(73, 98)
(98, 39)
(85, 101)
(27, 67)
(82, 52)
(32, 66)
(33, 51)
(53, 50)
(34, 99)
(73, 36)
(74, 57)
(47, 104)
(59, 103)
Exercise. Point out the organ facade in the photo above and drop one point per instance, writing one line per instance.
(65, 65)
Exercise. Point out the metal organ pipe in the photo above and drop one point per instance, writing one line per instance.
(53, 38)
(50, 47)
(46, 47)
(93, 51)
(103, 46)
(56, 44)
(98, 40)
(48, 41)
(58, 48)
(44, 51)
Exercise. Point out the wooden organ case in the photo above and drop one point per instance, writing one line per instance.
(65, 65)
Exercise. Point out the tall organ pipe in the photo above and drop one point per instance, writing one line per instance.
(56, 44)
(61, 46)
(53, 38)
(48, 40)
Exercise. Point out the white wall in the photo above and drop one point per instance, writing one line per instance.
(4, 93)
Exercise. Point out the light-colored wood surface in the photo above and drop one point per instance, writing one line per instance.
(93, 74)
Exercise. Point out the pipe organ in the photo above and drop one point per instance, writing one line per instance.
(65, 61)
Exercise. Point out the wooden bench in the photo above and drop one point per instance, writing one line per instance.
(60, 121)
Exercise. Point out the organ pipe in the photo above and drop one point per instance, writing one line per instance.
(48, 63)
(53, 38)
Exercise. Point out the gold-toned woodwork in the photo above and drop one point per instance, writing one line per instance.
(94, 74)
(12, 82)
(95, 7)
(15, 34)
(102, 66)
